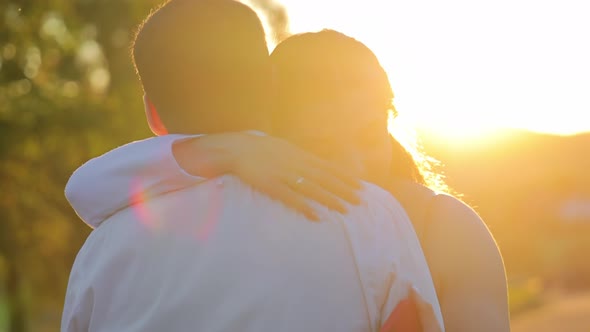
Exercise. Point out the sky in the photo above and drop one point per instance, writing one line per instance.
(465, 67)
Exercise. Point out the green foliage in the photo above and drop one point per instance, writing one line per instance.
(67, 93)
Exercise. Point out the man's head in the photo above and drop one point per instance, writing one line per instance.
(204, 67)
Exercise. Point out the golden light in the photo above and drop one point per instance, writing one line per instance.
(465, 68)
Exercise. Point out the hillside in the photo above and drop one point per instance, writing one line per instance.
(532, 190)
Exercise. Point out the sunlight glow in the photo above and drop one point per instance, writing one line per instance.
(464, 67)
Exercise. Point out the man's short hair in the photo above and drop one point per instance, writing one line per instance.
(204, 65)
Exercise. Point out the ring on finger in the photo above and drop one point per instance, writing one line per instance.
(299, 181)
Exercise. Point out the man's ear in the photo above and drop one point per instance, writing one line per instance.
(153, 118)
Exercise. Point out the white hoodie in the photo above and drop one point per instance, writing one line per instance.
(171, 251)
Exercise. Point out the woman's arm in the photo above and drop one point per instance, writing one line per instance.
(467, 267)
(270, 165)
(167, 163)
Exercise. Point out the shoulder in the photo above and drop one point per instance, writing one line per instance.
(467, 266)
(460, 245)
(386, 208)
(451, 209)
(152, 146)
(415, 199)
(456, 219)
(458, 224)
(145, 166)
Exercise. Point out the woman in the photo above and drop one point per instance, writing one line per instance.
(333, 100)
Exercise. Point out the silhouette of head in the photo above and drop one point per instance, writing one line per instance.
(204, 67)
(333, 98)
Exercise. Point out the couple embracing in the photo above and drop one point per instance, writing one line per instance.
(273, 197)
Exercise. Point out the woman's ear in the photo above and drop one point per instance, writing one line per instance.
(153, 118)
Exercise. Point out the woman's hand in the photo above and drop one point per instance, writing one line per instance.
(272, 166)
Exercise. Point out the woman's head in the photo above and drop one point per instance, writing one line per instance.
(334, 98)
(325, 66)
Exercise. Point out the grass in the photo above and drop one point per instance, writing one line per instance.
(524, 295)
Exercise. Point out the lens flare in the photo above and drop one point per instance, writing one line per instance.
(206, 229)
(137, 200)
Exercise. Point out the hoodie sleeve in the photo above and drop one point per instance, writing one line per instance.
(124, 176)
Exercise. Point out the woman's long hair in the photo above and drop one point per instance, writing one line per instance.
(328, 64)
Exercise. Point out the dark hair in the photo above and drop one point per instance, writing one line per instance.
(204, 65)
(324, 65)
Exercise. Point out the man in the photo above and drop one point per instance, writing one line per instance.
(189, 254)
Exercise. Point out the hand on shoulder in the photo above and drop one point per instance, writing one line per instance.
(271, 165)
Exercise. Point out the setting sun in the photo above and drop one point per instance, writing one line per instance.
(463, 68)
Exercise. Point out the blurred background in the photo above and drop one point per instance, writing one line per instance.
(498, 92)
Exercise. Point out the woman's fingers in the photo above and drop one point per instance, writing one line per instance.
(282, 192)
(281, 164)
(318, 194)
(292, 155)
(346, 178)
(269, 178)
(324, 183)
(294, 189)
